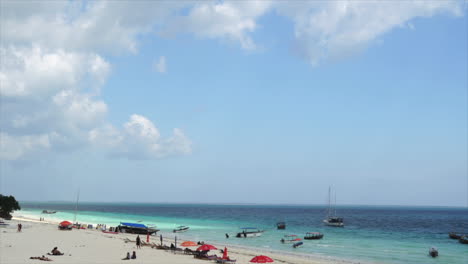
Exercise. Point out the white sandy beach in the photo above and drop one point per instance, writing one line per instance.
(92, 246)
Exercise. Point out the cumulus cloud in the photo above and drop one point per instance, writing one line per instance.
(336, 29)
(140, 139)
(53, 59)
(160, 65)
(232, 20)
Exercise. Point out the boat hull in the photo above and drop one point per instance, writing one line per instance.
(249, 234)
(333, 224)
(179, 230)
(140, 231)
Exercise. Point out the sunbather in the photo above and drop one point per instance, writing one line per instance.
(134, 255)
(127, 257)
(44, 258)
(56, 252)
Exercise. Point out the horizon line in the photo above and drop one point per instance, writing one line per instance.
(246, 204)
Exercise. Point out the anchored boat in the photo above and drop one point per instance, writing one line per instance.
(281, 225)
(290, 239)
(180, 229)
(250, 232)
(332, 219)
(313, 235)
(134, 228)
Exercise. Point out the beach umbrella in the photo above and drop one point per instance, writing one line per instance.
(65, 223)
(206, 247)
(189, 244)
(261, 259)
(225, 256)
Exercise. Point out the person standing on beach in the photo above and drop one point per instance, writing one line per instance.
(138, 242)
(19, 227)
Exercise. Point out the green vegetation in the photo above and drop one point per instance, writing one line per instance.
(8, 204)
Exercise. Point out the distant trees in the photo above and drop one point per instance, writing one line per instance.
(8, 204)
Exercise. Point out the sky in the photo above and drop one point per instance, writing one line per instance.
(265, 102)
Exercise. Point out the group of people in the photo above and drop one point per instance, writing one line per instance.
(130, 257)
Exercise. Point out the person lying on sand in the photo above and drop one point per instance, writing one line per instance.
(44, 258)
(127, 257)
(56, 252)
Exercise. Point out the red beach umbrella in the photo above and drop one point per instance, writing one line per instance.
(189, 244)
(225, 256)
(65, 223)
(261, 259)
(206, 247)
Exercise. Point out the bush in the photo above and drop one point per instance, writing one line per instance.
(8, 204)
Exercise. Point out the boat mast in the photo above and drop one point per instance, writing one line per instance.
(76, 205)
(329, 203)
(334, 208)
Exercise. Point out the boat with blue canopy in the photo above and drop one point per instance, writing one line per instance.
(135, 228)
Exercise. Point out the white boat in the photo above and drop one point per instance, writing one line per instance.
(250, 232)
(48, 212)
(332, 219)
(290, 239)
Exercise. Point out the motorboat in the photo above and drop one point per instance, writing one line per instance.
(281, 225)
(48, 212)
(313, 235)
(433, 252)
(463, 240)
(454, 235)
(298, 244)
(250, 232)
(180, 229)
(290, 239)
(135, 228)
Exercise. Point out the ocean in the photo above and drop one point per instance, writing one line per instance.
(386, 234)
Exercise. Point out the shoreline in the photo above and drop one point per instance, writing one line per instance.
(242, 253)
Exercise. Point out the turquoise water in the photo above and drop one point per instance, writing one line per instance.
(372, 234)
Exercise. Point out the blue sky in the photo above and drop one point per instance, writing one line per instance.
(236, 102)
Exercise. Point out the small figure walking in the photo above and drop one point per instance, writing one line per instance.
(138, 242)
(20, 226)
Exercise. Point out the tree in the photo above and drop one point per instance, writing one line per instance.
(8, 204)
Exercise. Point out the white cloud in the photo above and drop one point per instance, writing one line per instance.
(232, 20)
(160, 65)
(140, 139)
(53, 59)
(336, 29)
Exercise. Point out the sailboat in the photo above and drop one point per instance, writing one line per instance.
(332, 219)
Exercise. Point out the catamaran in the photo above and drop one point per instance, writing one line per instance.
(332, 219)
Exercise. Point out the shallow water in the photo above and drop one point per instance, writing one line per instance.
(372, 234)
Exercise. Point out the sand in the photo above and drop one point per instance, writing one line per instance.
(92, 246)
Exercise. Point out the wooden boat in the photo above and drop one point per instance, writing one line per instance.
(463, 240)
(180, 229)
(313, 235)
(250, 232)
(290, 239)
(48, 212)
(332, 219)
(281, 225)
(433, 252)
(134, 228)
(454, 235)
(297, 244)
